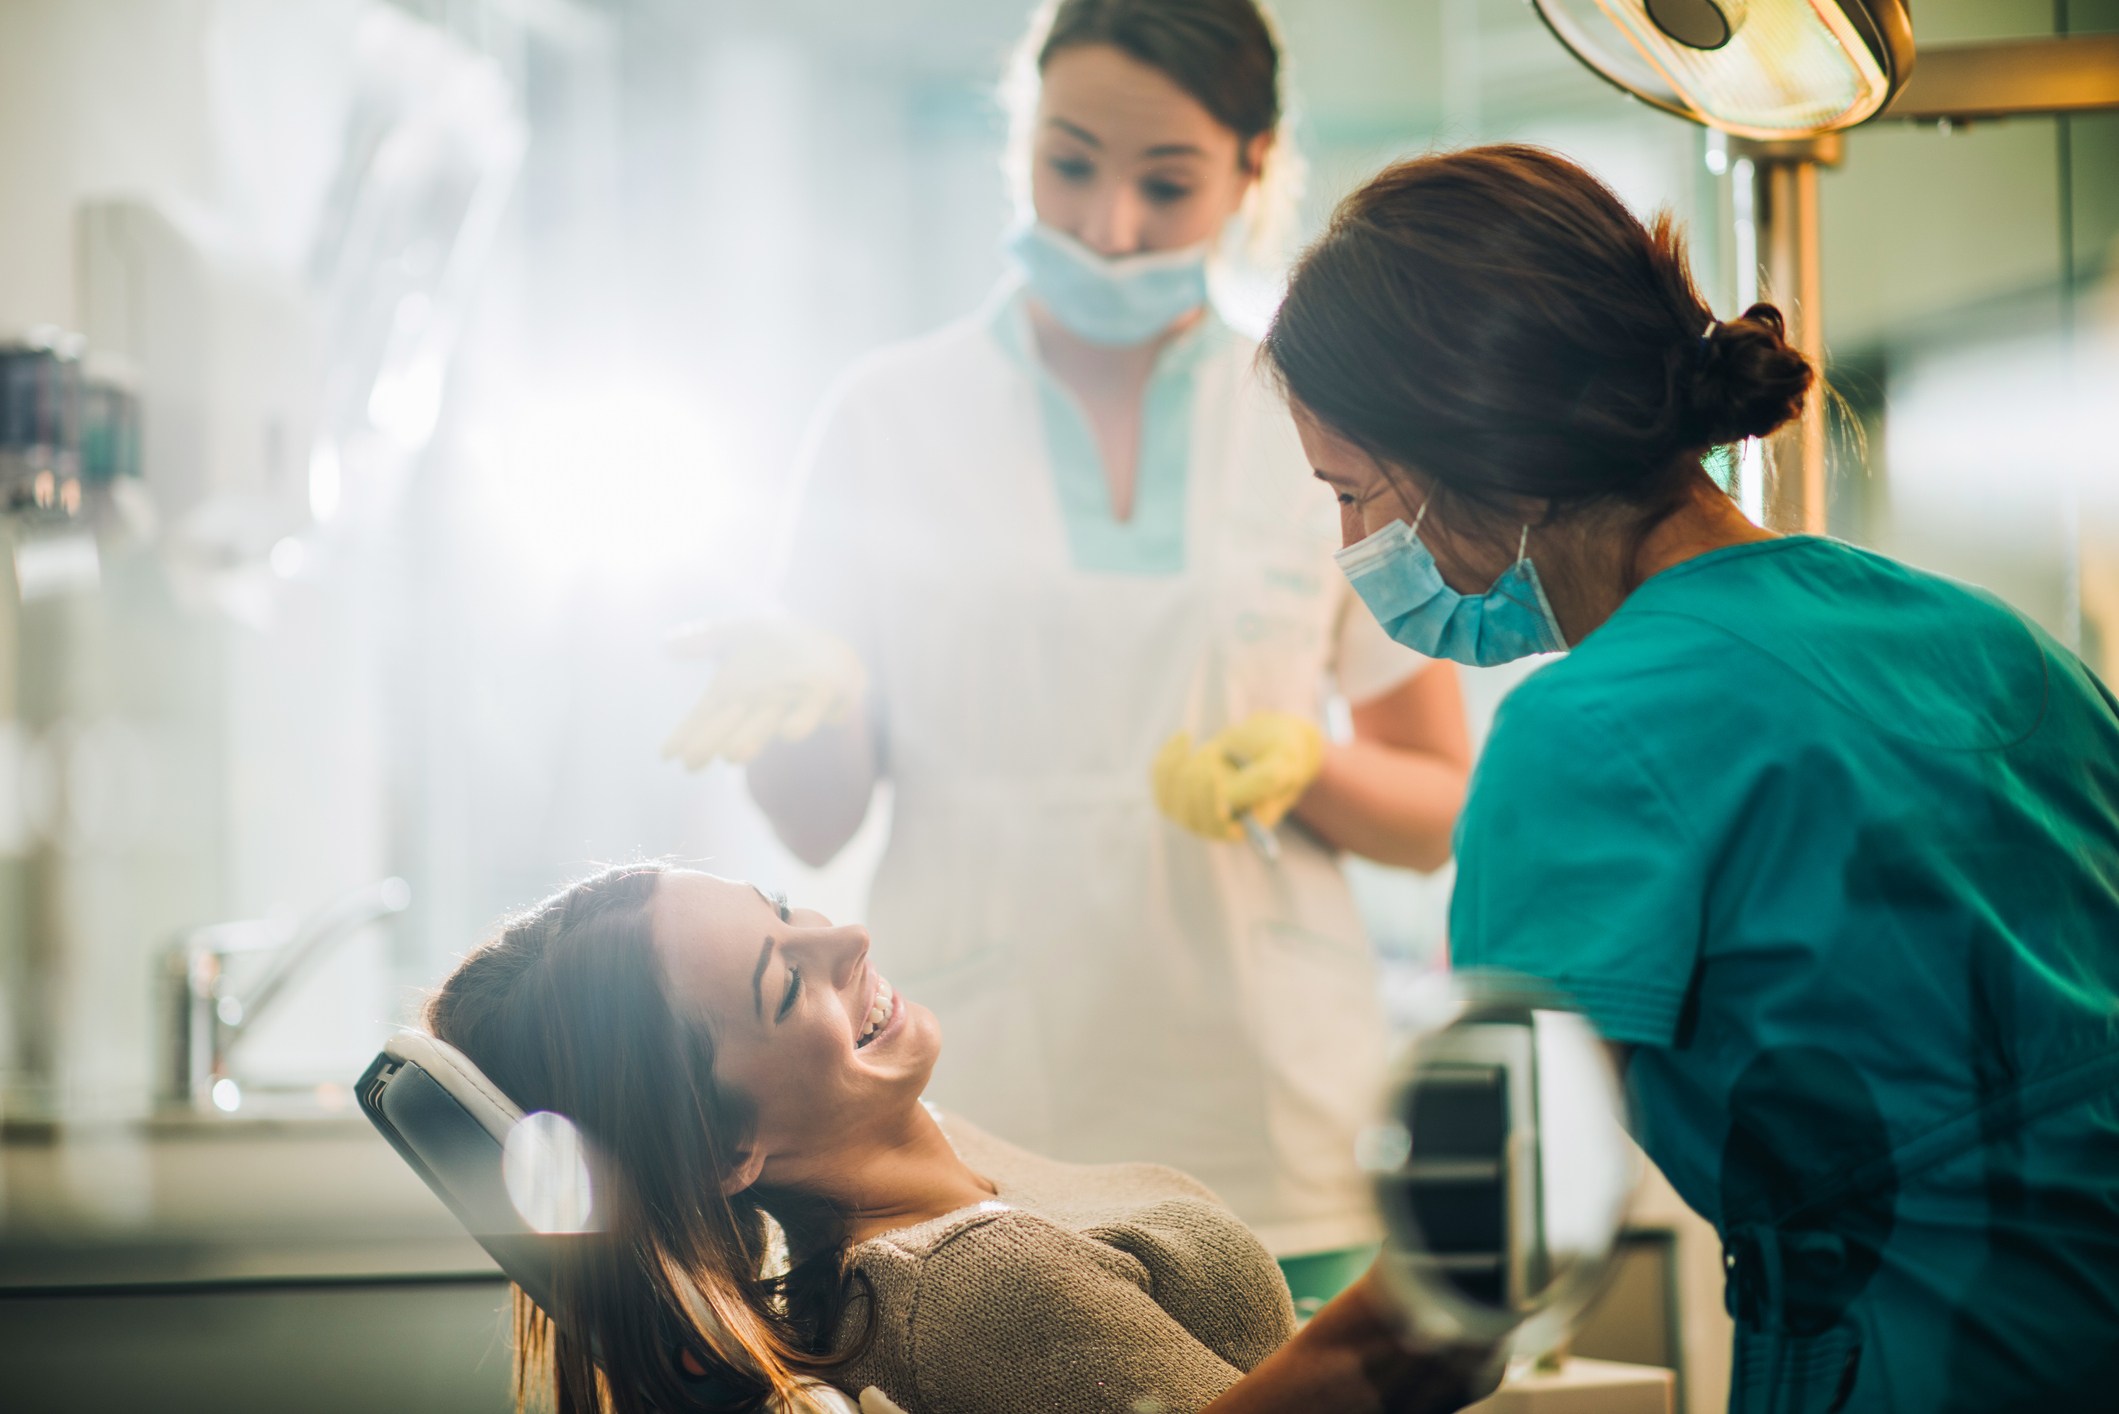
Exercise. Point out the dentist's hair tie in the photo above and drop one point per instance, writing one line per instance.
(1706, 340)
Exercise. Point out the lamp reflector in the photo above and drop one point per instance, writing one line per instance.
(1757, 68)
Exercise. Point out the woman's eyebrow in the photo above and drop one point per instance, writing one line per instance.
(1076, 131)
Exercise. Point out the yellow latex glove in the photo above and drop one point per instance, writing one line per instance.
(1263, 764)
(774, 680)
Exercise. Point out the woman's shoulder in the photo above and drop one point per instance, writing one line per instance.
(1066, 1259)
(1074, 1186)
(927, 366)
(1074, 1204)
(917, 1275)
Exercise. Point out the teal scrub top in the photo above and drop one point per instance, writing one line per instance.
(1833, 845)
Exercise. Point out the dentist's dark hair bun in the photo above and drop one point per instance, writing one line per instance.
(1497, 322)
(1748, 380)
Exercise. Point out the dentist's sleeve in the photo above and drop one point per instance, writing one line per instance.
(1576, 867)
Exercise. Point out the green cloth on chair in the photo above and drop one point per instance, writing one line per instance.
(1316, 1277)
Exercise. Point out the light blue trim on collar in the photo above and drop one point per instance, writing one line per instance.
(1152, 542)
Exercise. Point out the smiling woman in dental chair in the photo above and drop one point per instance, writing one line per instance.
(732, 1059)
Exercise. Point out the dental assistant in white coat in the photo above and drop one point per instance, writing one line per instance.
(1055, 567)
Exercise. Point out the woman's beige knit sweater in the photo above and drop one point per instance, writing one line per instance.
(1106, 1289)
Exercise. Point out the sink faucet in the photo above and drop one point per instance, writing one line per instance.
(208, 1017)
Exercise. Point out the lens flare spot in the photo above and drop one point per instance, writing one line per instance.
(545, 1166)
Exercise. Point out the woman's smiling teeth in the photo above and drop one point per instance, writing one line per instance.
(879, 1009)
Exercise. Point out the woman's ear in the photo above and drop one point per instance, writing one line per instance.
(749, 1164)
(1254, 155)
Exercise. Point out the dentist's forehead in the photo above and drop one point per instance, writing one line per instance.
(1122, 101)
(1328, 450)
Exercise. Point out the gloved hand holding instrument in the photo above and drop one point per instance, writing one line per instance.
(1240, 781)
(775, 679)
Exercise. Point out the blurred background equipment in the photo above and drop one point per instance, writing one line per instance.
(1780, 69)
(1502, 1166)
(1757, 68)
(1504, 1175)
(40, 424)
(1781, 75)
(1785, 77)
(212, 1005)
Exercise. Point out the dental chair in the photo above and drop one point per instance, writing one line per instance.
(451, 1124)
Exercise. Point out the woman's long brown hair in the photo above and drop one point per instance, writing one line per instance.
(566, 1011)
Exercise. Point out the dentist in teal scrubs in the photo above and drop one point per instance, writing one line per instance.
(1827, 846)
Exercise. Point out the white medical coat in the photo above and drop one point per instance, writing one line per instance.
(1110, 987)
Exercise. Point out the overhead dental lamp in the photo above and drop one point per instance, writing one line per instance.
(1783, 77)
(1762, 69)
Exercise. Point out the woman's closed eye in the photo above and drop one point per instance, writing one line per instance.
(794, 971)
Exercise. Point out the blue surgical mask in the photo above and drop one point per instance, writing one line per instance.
(1118, 302)
(1395, 575)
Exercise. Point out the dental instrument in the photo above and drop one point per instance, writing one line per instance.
(1262, 839)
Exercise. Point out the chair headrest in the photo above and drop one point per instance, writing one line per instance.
(452, 1070)
(451, 1124)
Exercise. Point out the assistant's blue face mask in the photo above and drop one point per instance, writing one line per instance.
(1396, 576)
(1118, 302)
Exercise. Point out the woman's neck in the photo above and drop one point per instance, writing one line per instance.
(907, 1176)
(1099, 371)
(1112, 386)
(1593, 590)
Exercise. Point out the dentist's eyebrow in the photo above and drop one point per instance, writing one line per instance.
(1080, 134)
(757, 978)
(1175, 149)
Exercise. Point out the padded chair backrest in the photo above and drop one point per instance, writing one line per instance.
(451, 1124)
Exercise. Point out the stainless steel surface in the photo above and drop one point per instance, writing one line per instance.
(1785, 176)
(2009, 77)
(415, 1346)
(208, 1016)
(191, 1199)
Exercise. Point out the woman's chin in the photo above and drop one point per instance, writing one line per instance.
(919, 1040)
(918, 1044)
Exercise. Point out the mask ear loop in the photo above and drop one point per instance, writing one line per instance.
(1523, 545)
(1421, 515)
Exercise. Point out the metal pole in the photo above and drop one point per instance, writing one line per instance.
(1791, 277)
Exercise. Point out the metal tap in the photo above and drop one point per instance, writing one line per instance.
(209, 1018)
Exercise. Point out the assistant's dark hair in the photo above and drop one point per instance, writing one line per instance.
(566, 1010)
(1497, 319)
(1222, 52)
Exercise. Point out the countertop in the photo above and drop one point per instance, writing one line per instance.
(188, 1199)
